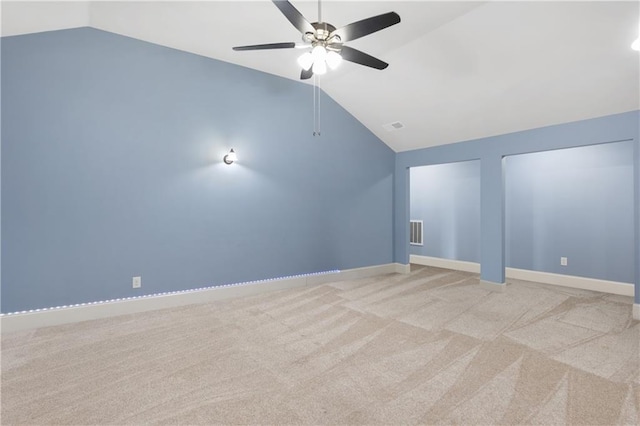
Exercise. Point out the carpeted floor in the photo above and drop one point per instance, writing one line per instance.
(431, 347)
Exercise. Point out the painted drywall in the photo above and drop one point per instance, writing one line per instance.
(491, 152)
(575, 203)
(112, 168)
(446, 197)
(636, 173)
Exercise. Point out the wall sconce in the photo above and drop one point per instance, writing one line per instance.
(230, 157)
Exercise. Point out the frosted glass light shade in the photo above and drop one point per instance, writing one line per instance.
(319, 53)
(305, 61)
(333, 59)
(319, 67)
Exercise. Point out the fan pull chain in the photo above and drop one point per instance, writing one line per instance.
(319, 109)
(316, 105)
(315, 127)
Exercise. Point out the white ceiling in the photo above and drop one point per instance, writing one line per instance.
(458, 70)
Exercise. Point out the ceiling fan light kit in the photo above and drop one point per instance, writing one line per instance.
(319, 59)
(327, 42)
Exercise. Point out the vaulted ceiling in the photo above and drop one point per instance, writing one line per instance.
(458, 70)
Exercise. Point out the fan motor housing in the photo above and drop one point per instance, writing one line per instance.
(323, 31)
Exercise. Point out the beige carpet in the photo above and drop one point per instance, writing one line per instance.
(431, 347)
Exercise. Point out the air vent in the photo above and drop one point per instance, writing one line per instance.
(396, 125)
(415, 228)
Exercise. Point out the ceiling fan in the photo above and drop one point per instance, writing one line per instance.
(327, 42)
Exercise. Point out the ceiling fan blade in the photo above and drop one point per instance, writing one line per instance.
(306, 74)
(288, 45)
(366, 26)
(354, 55)
(295, 17)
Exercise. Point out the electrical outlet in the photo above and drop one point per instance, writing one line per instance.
(563, 261)
(137, 282)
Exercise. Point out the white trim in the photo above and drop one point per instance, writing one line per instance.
(403, 269)
(491, 286)
(457, 265)
(85, 312)
(604, 286)
(65, 315)
(367, 271)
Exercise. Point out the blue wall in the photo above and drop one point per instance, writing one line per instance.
(492, 152)
(576, 203)
(112, 168)
(447, 198)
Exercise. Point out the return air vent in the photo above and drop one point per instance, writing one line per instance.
(415, 227)
(396, 125)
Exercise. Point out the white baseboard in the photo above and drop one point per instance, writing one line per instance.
(604, 286)
(96, 310)
(357, 273)
(437, 262)
(491, 286)
(403, 269)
